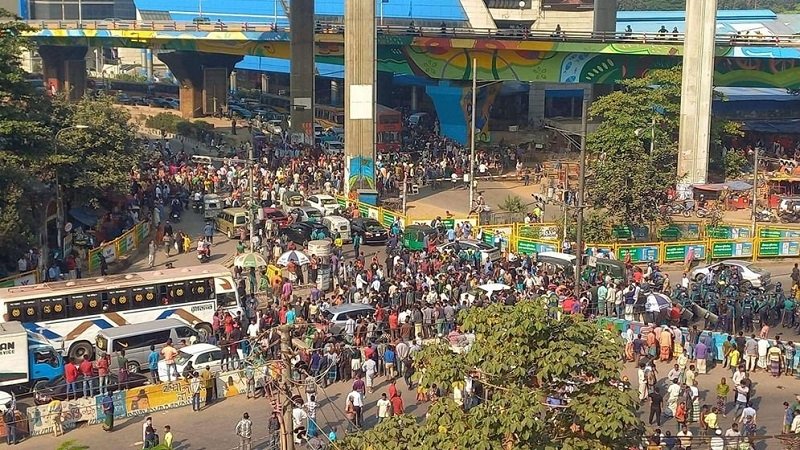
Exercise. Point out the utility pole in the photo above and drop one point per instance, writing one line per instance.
(754, 199)
(472, 135)
(287, 432)
(406, 168)
(581, 193)
(253, 215)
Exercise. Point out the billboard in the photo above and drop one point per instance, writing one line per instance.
(568, 4)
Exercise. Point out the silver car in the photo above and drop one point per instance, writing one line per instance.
(749, 273)
(338, 315)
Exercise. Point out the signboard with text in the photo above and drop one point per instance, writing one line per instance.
(731, 250)
(678, 252)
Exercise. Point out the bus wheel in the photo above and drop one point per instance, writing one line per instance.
(205, 331)
(79, 349)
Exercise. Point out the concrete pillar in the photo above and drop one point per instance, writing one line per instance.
(64, 69)
(359, 94)
(605, 16)
(696, 94)
(536, 99)
(414, 98)
(234, 84)
(334, 92)
(301, 22)
(203, 79)
(148, 64)
(264, 83)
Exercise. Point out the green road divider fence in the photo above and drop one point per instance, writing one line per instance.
(675, 243)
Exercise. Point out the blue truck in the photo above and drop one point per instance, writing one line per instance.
(26, 359)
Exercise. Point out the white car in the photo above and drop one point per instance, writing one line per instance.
(323, 203)
(274, 126)
(488, 253)
(333, 147)
(750, 274)
(200, 355)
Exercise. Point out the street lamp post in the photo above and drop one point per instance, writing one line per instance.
(472, 136)
(581, 193)
(59, 196)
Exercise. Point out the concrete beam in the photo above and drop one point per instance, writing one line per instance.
(359, 94)
(301, 84)
(64, 69)
(203, 79)
(696, 94)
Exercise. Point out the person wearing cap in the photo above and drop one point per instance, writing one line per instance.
(717, 442)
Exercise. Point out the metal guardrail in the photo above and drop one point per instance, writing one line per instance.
(456, 32)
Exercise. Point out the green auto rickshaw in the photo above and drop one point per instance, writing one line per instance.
(414, 236)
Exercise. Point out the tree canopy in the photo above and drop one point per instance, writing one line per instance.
(627, 179)
(521, 355)
(92, 164)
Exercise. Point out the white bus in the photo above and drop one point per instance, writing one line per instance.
(70, 313)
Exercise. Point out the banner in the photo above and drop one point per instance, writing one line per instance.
(147, 399)
(40, 421)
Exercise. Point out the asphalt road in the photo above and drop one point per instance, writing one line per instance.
(218, 420)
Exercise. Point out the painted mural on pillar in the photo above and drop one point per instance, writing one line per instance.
(360, 173)
(453, 105)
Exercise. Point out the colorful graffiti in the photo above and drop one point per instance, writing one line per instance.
(498, 59)
(360, 173)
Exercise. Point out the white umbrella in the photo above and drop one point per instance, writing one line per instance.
(491, 288)
(295, 256)
(249, 260)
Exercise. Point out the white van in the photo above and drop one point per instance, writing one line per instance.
(136, 340)
(212, 205)
(340, 225)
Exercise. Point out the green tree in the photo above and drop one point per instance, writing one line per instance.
(734, 163)
(513, 204)
(94, 164)
(629, 180)
(521, 355)
(25, 136)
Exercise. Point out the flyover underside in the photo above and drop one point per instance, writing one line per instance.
(555, 66)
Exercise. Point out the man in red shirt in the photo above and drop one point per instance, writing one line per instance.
(397, 405)
(87, 372)
(102, 372)
(71, 377)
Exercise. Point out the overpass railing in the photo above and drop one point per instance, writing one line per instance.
(393, 30)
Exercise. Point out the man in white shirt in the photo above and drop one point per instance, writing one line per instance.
(383, 408)
(350, 328)
(652, 308)
(252, 329)
(355, 399)
(299, 418)
(763, 348)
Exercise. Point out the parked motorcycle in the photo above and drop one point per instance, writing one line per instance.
(708, 213)
(766, 215)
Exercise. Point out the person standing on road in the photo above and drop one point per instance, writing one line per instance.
(273, 432)
(10, 421)
(108, 410)
(54, 408)
(103, 370)
(244, 429)
(168, 437)
(384, 407)
(87, 372)
(194, 388)
(170, 354)
(152, 362)
(208, 383)
(355, 399)
(208, 233)
(656, 400)
(151, 254)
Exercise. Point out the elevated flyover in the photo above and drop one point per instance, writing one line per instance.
(594, 58)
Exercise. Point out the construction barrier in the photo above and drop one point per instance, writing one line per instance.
(119, 247)
(21, 279)
(140, 401)
(674, 243)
